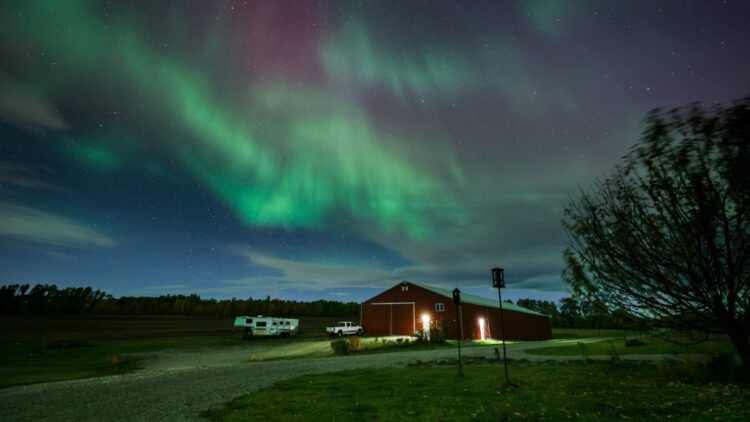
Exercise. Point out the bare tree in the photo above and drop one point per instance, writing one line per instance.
(666, 236)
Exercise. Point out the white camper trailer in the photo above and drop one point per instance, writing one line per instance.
(266, 326)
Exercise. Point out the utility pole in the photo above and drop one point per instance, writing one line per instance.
(459, 318)
(498, 281)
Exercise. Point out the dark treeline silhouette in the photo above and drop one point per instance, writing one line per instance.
(50, 299)
(575, 313)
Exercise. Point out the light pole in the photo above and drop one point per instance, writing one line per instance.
(457, 303)
(498, 281)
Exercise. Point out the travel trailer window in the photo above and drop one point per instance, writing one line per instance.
(249, 321)
(260, 324)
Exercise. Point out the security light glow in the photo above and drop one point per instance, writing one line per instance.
(426, 321)
(481, 328)
(426, 325)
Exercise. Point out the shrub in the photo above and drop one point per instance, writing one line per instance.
(69, 344)
(421, 336)
(722, 362)
(437, 336)
(634, 342)
(399, 340)
(722, 367)
(584, 351)
(340, 347)
(356, 343)
(613, 354)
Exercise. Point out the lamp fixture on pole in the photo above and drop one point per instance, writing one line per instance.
(498, 281)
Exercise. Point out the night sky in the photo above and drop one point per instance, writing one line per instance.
(311, 150)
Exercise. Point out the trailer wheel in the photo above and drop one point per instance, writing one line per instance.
(359, 332)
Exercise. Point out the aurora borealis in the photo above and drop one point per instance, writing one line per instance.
(328, 149)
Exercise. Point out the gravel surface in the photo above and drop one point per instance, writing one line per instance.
(181, 392)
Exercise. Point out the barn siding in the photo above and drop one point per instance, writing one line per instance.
(376, 319)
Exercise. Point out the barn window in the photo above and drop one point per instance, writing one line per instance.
(439, 307)
(404, 288)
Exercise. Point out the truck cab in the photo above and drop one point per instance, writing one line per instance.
(344, 328)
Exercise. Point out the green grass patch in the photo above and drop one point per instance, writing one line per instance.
(398, 344)
(292, 349)
(650, 345)
(542, 392)
(570, 333)
(323, 348)
(29, 363)
(43, 348)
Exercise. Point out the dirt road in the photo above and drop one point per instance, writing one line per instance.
(178, 387)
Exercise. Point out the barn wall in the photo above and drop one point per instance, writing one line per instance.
(518, 325)
(376, 318)
(381, 320)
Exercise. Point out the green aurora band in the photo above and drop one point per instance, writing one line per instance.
(321, 155)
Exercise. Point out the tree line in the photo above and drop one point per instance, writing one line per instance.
(575, 312)
(50, 299)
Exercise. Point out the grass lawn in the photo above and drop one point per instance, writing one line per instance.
(34, 362)
(322, 348)
(566, 333)
(27, 364)
(547, 391)
(652, 345)
(387, 345)
(43, 348)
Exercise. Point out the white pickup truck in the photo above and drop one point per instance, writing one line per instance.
(344, 328)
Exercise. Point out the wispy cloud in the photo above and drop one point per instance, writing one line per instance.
(292, 274)
(16, 175)
(308, 275)
(32, 225)
(23, 107)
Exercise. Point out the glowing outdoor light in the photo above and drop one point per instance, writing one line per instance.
(426, 322)
(481, 328)
(426, 325)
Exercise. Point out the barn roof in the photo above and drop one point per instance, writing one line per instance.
(478, 300)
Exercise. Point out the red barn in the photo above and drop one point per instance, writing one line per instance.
(407, 307)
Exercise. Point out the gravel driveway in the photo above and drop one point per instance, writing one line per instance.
(176, 392)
